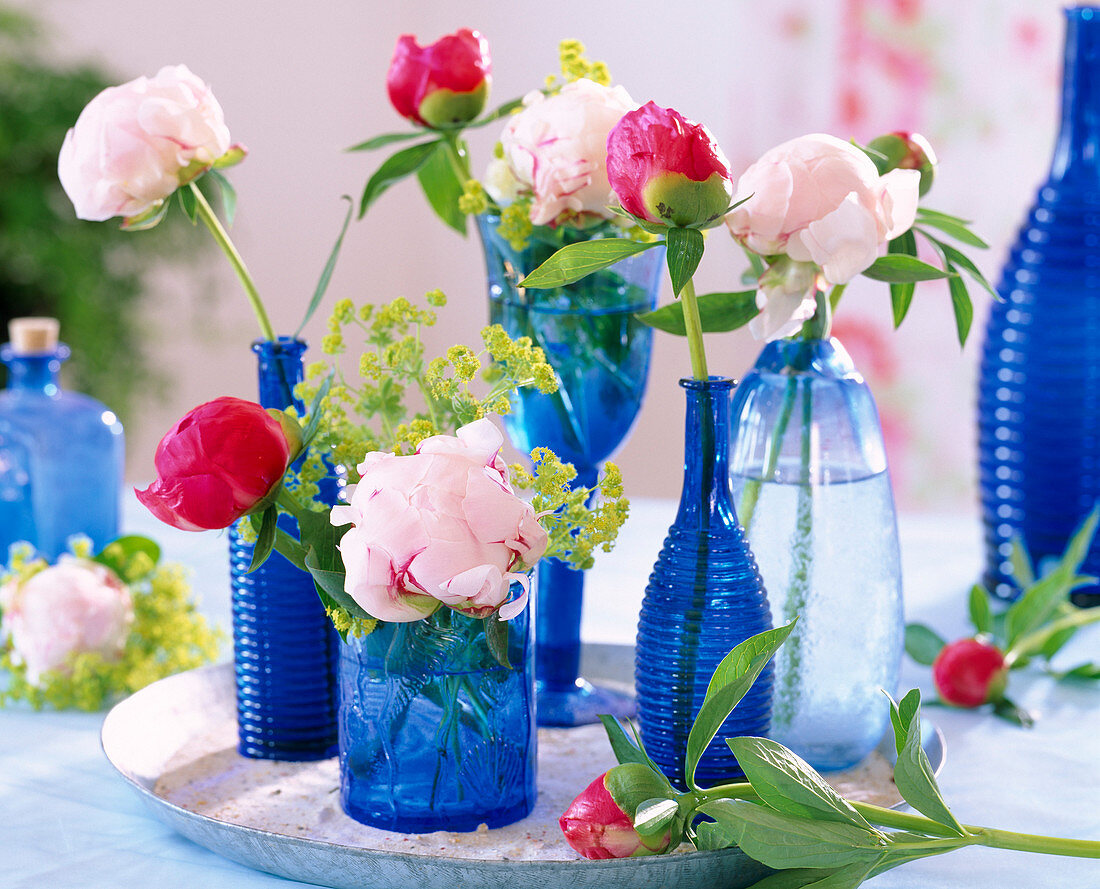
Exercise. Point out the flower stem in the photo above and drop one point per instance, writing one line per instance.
(212, 222)
(694, 328)
(456, 154)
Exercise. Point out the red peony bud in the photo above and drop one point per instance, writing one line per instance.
(969, 673)
(442, 84)
(220, 462)
(666, 169)
(598, 827)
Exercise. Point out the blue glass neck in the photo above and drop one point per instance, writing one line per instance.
(1077, 152)
(827, 358)
(280, 370)
(34, 373)
(706, 496)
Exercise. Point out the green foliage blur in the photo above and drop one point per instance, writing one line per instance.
(87, 274)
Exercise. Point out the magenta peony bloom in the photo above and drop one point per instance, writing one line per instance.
(666, 169)
(969, 673)
(223, 460)
(438, 527)
(599, 827)
(442, 84)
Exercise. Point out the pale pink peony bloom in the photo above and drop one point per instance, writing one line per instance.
(135, 144)
(70, 608)
(441, 526)
(556, 147)
(786, 296)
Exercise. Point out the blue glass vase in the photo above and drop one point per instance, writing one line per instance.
(704, 597)
(600, 353)
(61, 458)
(284, 647)
(435, 734)
(1038, 392)
(808, 469)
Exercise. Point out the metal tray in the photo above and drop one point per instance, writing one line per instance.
(174, 743)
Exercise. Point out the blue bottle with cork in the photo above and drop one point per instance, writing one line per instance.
(61, 453)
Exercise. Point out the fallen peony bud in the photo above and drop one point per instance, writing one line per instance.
(969, 673)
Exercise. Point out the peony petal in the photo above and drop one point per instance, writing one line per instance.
(844, 242)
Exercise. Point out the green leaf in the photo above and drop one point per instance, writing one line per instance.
(1052, 636)
(901, 292)
(718, 313)
(119, 555)
(503, 111)
(1010, 712)
(925, 214)
(955, 229)
(575, 261)
(981, 615)
(320, 537)
(326, 272)
(731, 681)
(227, 194)
(963, 307)
(913, 772)
(496, 636)
(957, 258)
(897, 268)
(265, 537)
(152, 217)
(684, 251)
(188, 203)
(1082, 672)
(654, 815)
(310, 430)
(784, 841)
(442, 188)
(633, 785)
(624, 749)
(384, 140)
(789, 784)
(1022, 571)
(1036, 606)
(393, 169)
(922, 643)
(847, 877)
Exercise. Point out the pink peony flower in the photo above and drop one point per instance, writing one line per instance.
(666, 169)
(599, 827)
(221, 461)
(557, 149)
(135, 144)
(786, 296)
(441, 526)
(819, 199)
(445, 83)
(74, 607)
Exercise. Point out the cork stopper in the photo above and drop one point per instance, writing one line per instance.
(33, 336)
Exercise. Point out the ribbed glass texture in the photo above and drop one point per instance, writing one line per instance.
(600, 353)
(61, 458)
(808, 469)
(1039, 386)
(284, 646)
(435, 734)
(705, 596)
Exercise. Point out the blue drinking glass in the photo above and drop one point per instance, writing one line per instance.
(1039, 385)
(285, 648)
(600, 353)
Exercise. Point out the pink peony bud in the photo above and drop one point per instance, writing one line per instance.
(442, 84)
(441, 526)
(135, 144)
(74, 607)
(906, 151)
(666, 169)
(599, 826)
(969, 673)
(223, 460)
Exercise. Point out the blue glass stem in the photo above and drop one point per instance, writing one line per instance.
(285, 648)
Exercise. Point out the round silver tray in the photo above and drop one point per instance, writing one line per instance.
(174, 742)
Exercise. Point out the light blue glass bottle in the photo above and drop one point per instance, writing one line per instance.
(808, 469)
(61, 453)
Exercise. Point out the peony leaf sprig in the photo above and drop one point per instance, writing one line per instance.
(974, 671)
(784, 815)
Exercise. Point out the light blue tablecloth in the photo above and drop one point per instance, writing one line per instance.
(67, 821)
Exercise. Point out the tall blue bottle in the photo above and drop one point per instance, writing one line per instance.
(61, 453)
(704, 597)
(284, 647)
(1039, 388)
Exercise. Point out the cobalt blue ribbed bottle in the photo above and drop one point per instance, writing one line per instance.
(285, 649)
(705, 596)
(61, 453)
(1039, 387)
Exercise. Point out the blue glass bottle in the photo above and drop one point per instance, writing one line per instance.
(435, 734)
(808, 469)
(600, 353)
(705, 596)
(284, 646)
(61, 453)
(1039, 385)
